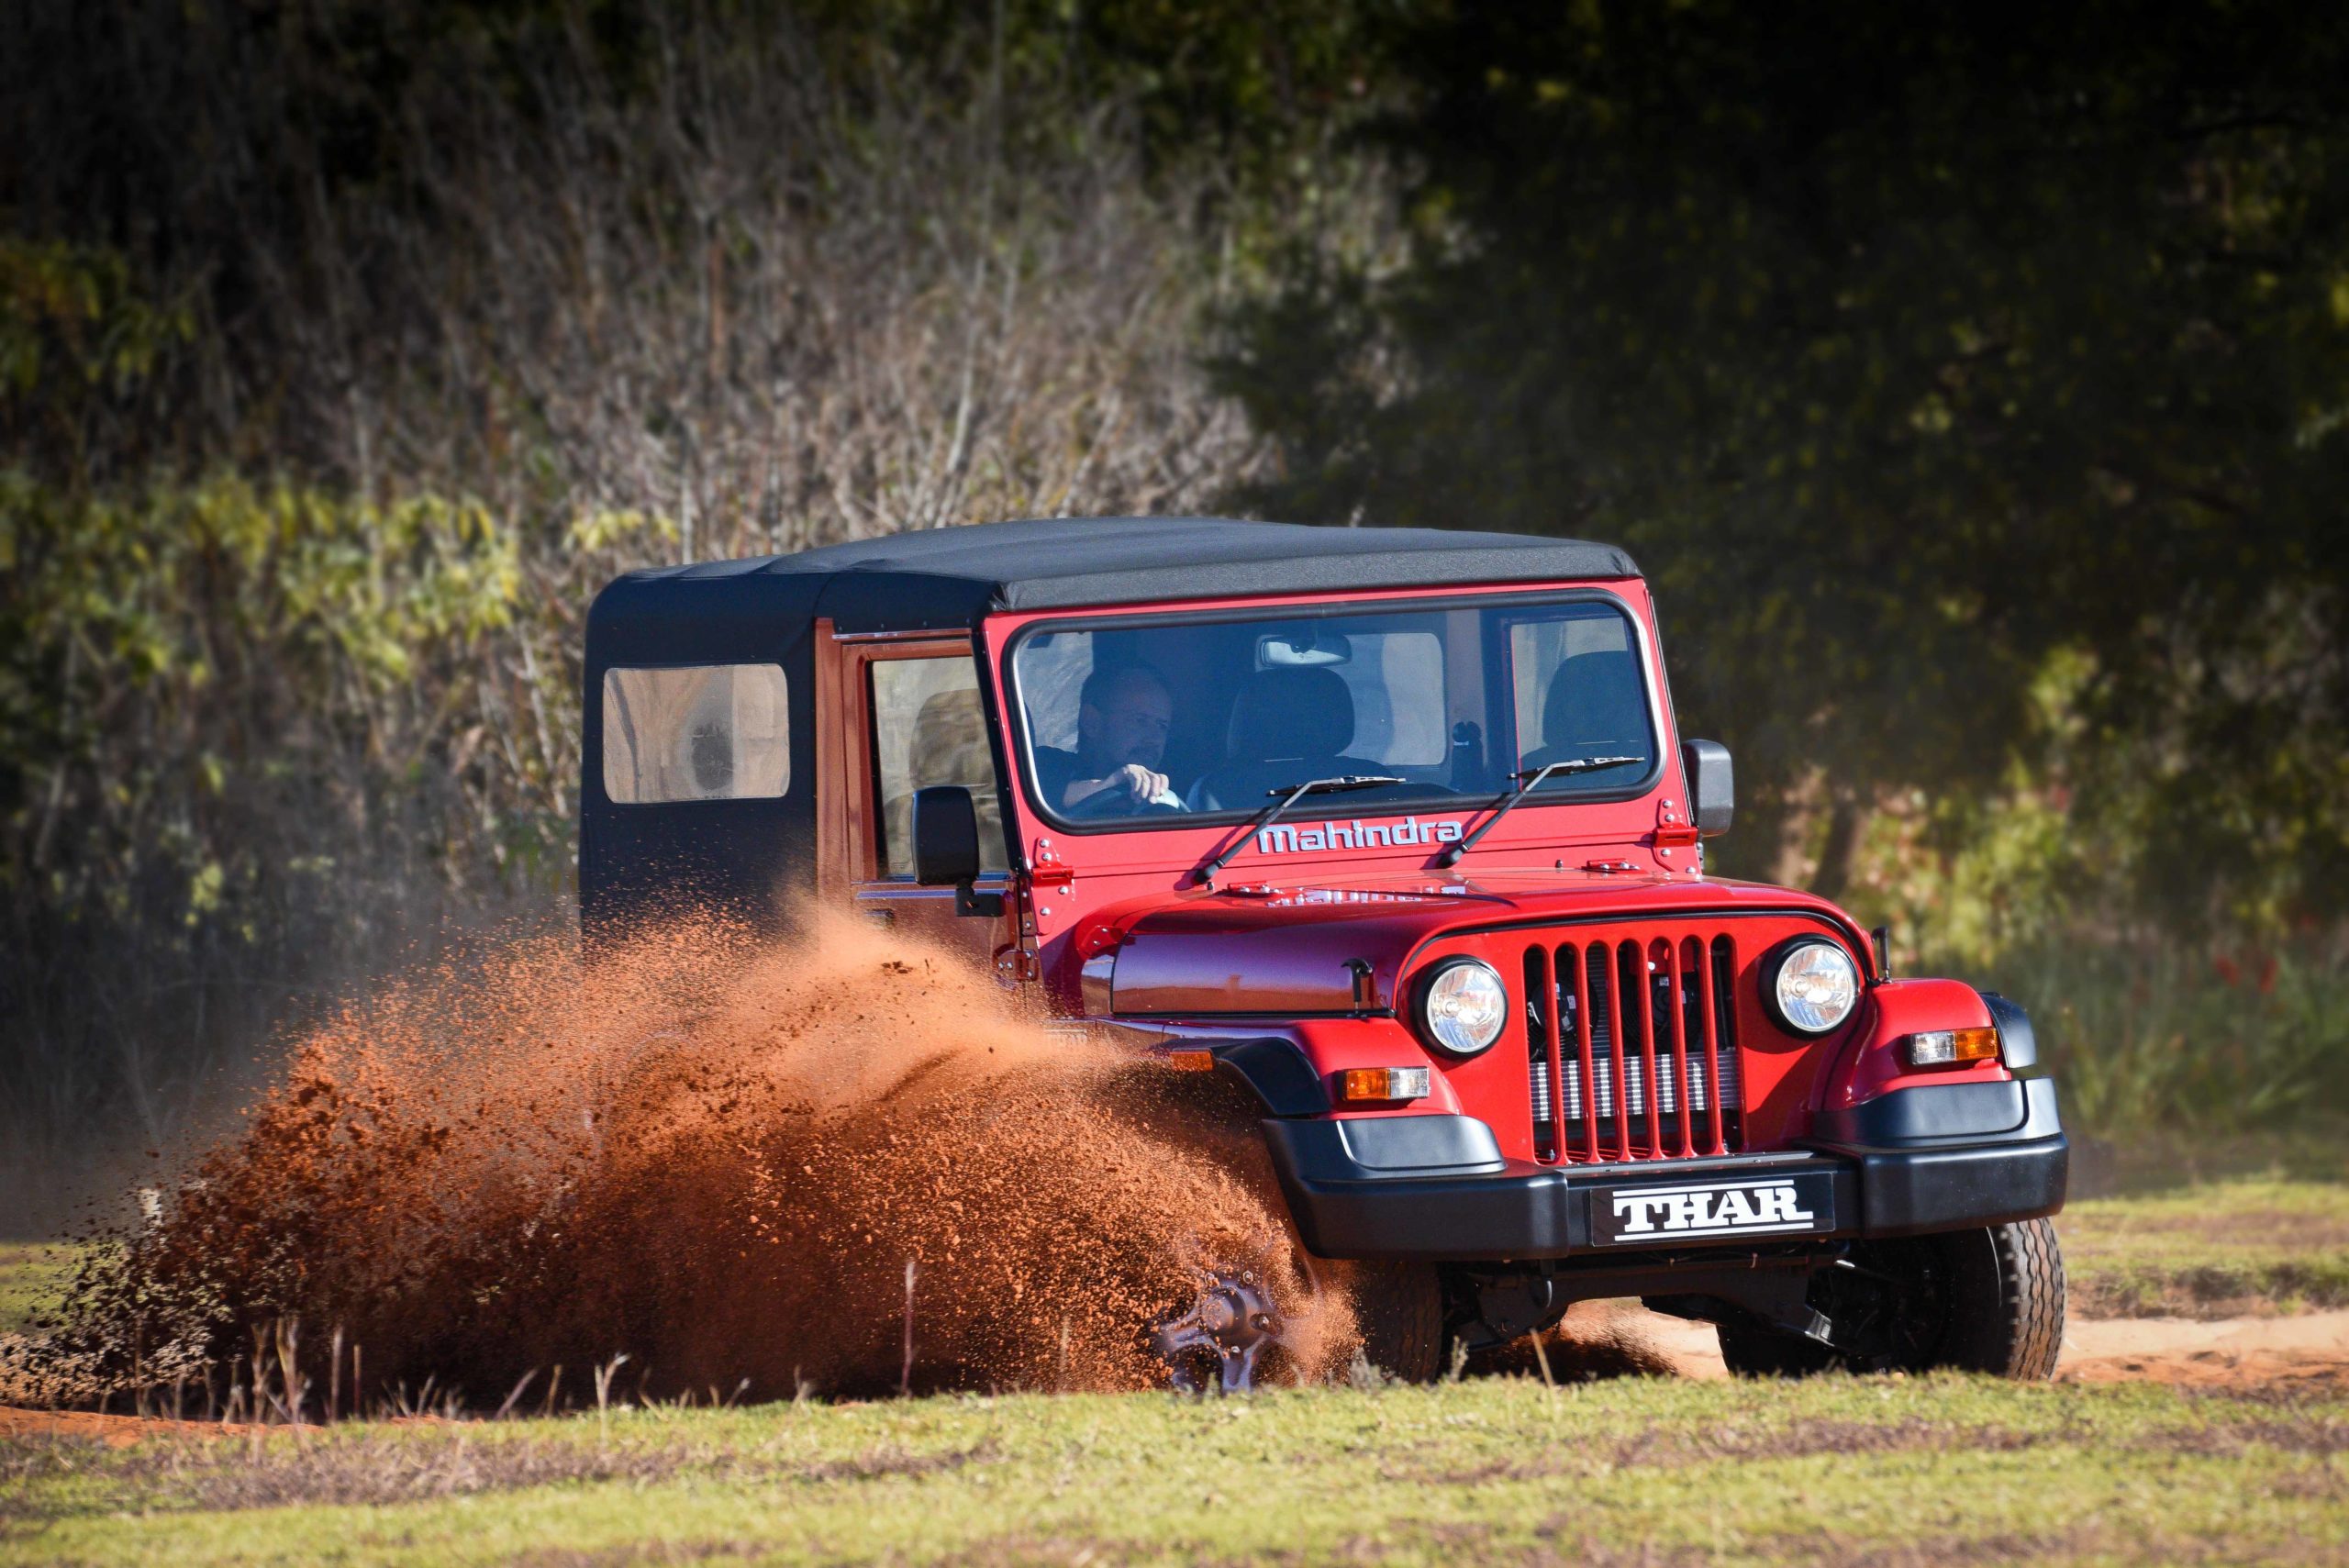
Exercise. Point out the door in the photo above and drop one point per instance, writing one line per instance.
(909, 717)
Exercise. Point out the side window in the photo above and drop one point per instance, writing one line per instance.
(706, 732)
(927, 728)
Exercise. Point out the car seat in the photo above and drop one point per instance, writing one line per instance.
(1596, 707)
(1288, 726)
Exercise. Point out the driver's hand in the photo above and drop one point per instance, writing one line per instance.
(1140, 783)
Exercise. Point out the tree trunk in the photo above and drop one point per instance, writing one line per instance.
(1844, 824)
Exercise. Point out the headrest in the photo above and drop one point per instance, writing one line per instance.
(1596, 699)
(950, 740)
(949, 717)
(1292, 713)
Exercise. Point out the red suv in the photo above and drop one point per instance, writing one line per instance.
(1394, 828)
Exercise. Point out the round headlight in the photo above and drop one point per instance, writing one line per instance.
(1813, 988)
(1463, 1006)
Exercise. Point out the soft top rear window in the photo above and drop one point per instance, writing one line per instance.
(696, 732)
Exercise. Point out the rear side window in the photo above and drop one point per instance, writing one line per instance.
(701, 732)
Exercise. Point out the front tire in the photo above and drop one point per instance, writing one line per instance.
(2016, 1273)
(1398, 1306)
(1989, 1300)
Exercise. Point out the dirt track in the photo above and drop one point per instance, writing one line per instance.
(2310, 1350)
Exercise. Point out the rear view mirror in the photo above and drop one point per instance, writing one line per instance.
(1712, 785)
(1303, 648)
(946, 837)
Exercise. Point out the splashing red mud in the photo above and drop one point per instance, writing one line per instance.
(718, 1156)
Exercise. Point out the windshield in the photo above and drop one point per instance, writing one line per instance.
(1137, 723)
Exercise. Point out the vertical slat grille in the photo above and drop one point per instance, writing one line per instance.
(1616, 1097)
(1632, 1049)
(1542, 1052)
(1676, 1010)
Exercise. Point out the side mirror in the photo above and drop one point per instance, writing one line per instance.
(946, 837)
(946, 847)
(1712, 785)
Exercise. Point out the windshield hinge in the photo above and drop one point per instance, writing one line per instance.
(1048, 872)
(1672, 826)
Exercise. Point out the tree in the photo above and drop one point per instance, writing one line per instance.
(1908, 347)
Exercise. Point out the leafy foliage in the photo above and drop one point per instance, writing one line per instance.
(167, 653)
(1976, 387)
(345, 350)
(1910, 348)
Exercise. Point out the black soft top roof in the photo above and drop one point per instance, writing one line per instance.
(754, 855)
(953, 576)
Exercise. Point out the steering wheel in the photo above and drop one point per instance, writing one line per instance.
(1103, 803)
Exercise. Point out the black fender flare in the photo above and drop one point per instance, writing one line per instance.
(2018, 1042)
(1276, 1071)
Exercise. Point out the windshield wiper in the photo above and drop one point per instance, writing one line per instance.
(1533, 777)
(1287, 796)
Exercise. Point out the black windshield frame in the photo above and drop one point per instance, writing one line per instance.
(1649, 658)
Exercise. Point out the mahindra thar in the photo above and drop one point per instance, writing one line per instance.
(1393, 829)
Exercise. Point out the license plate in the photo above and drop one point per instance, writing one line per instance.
(1663, 1212)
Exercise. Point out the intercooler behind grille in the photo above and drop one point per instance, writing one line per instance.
(1593, 1059)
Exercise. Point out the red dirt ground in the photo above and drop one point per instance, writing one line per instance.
(2311, 1349)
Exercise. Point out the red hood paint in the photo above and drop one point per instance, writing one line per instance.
(1292, 946)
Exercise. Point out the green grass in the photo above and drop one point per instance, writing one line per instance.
(1838, 1470)
(1942, 1470)
(2215, 1248)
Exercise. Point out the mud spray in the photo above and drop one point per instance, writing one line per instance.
(720, 1157)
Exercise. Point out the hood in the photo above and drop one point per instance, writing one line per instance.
(1305, 947)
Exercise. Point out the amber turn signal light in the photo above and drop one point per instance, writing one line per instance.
(1191, 1061)
(1358, 1083)
(1952, 1048)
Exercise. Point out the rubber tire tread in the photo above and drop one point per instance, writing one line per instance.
(2022, 1337)
(1398, 1306)
(2008, 1321)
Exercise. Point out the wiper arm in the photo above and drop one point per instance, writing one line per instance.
(1533, 777)
(1287, 796)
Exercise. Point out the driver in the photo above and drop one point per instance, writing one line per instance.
(1123, 714)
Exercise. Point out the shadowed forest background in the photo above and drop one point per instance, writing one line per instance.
(1974, 386)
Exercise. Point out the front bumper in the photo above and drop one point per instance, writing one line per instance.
(1911, 1162)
